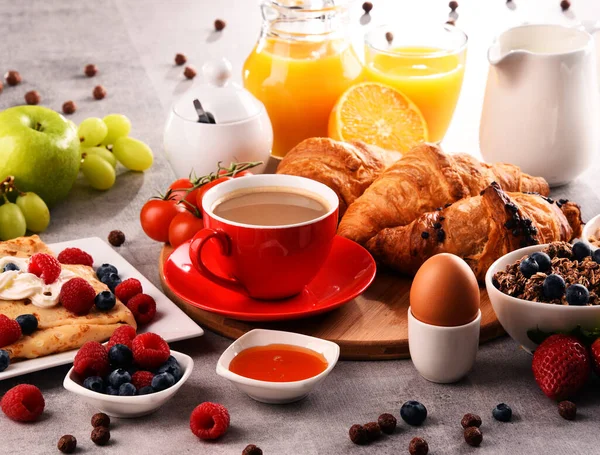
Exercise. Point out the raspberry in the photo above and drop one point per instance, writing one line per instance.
(45, 267)
(209, 420)
(141, 379)
(23, 403)
(91, 360)
(77, 296)
(150, 350)
(75, 256)
(10, 331)
(143, 308)
(128, 289)
(123, 335)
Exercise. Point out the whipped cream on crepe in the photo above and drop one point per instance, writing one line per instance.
(20, 284)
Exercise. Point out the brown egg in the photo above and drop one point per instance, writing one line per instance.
(445, 292)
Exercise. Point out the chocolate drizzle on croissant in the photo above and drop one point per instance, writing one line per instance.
(479, 229)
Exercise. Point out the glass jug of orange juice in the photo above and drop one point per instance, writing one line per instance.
(302, 63)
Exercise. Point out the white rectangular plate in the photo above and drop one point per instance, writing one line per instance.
(170, 322)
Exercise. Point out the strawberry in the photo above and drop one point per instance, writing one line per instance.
(561, 366)
(595, 354)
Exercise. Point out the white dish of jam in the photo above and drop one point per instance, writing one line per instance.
(277, 367)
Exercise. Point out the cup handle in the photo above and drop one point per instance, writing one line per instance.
(198, 242)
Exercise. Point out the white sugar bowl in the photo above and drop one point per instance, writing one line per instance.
(242, 131)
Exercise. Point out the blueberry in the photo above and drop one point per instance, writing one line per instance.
(596, 255)
(94, 383)
(127, 390)
(581, 250)
(554, 286)
(28, 323)
(529, 267)
(413, 413)
(105, 301)
(118, 377)
(111, 390)
(4, 360)
(112, 280)
(162, 381)
(147, 390)
(577, 294)
(543, 260)
(11, 267)
(502, 412)
(105, 269)
(171, 367)
(120, 356)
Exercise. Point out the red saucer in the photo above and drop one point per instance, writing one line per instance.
(347, 272)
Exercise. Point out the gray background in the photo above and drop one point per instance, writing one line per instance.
(133, 43)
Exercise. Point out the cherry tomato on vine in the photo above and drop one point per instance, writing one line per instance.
(207, 186)
(156, 216)
(242, 174)
(179, 190)
(183, 227)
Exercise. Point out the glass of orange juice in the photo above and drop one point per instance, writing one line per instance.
(302, 63)
(426, 63)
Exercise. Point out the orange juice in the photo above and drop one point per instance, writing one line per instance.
(299, 83)
(429, 76)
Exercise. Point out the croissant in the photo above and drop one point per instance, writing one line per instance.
(479, 229)
(346, 168)
(423, 179)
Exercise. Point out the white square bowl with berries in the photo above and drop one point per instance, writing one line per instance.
(130, 376)
(525, 320)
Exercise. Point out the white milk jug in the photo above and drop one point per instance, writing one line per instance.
(541, 105)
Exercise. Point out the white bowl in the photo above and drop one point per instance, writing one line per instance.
(590, 229)
(134, 406)
(277, 392)
(517, 316)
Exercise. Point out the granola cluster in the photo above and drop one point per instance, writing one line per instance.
(586, 272)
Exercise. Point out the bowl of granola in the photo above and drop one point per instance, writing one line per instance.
(591, 232)
(545, 289)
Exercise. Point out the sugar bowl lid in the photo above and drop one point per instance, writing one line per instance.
(227, 101)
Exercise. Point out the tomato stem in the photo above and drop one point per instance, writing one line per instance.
(191, 207)
(223, 171)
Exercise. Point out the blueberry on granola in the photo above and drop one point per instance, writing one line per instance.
(554, 286)
(543, 260)
(577, 295)
(581, 250)
(529, 267)
(596, 256)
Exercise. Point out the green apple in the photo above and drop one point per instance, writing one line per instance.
(40, 148)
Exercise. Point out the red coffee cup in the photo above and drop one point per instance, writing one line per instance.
(268, 262)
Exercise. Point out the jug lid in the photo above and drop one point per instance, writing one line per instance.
(226, 101)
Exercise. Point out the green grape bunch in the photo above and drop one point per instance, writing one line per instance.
(106, 142)
(28, 212)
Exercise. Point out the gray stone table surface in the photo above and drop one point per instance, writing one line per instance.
(133, 43)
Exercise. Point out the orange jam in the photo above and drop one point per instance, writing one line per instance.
(278, 363)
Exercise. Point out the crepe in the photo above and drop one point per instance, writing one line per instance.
(58, 329)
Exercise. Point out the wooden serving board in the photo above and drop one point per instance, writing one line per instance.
(372, 326)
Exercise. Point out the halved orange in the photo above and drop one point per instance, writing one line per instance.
(379, 115)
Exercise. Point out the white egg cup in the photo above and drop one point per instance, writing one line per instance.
(443, 354)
